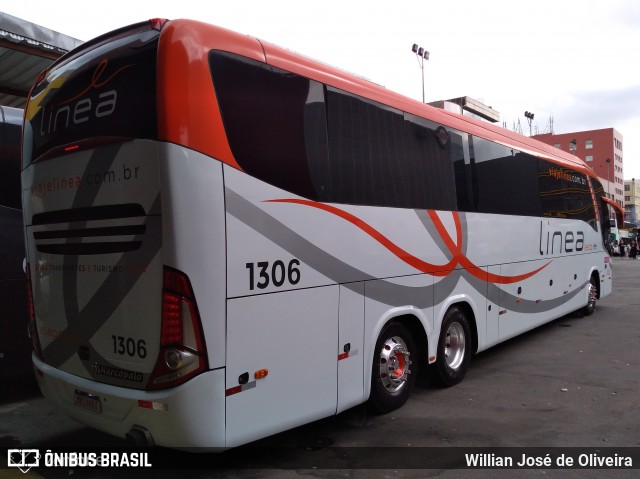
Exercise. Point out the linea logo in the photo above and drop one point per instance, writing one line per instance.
(23, 459)
(86, 105)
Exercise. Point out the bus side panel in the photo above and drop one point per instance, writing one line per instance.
(269, 228)
(291, 337)
(536, 300)
(492, 336)
(194, 236)
(350, 346)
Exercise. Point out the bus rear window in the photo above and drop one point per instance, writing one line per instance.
(106, 89)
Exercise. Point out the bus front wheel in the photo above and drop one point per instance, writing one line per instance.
(395, 368)
(454, 348)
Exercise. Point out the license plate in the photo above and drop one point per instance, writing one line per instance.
(87, 401)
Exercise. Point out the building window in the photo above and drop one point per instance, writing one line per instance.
(588, 144)
(588, 158)
(617, 143)
(557, 145)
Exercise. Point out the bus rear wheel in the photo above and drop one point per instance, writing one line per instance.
(592, 293)
(454, 348)
(395, 368)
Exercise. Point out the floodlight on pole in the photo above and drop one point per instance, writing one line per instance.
(421, 55)
(529, 116)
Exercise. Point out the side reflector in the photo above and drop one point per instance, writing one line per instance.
(233, 390)
(261, 373)
(240, 388)
(156, 406)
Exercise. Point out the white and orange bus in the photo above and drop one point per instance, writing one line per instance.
(226, 240)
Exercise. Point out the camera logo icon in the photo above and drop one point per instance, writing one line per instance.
(23, 459)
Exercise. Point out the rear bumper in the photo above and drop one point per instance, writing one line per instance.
(191, 415)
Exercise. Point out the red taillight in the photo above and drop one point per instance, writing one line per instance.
(182, 353)
(171, 319)
(31, 315)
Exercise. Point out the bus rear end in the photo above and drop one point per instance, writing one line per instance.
(115, 320)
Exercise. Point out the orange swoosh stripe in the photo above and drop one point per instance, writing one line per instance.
(456, 251)
(428, 268)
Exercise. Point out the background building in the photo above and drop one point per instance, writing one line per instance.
(602, 150)
(467, 106)
(632, 202)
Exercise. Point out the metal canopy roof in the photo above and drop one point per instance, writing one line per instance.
(25, 50)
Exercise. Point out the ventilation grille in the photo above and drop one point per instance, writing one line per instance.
(79, 239)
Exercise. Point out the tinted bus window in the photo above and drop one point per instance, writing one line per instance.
(366, 150)
(565, 193)
(107, 91)
(432, 152)
(264, 110)
(504, 180)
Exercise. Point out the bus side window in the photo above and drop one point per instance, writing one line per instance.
(267, 105)
(431, 154)
(505, 181)
(366, 151)
(566, 194)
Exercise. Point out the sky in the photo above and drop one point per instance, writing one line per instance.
(573, 61)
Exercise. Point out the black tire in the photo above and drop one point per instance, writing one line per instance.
(454, 348)
(592, 293)
(394, 370)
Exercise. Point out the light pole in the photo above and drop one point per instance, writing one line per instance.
(421, 55)
(529, 116)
